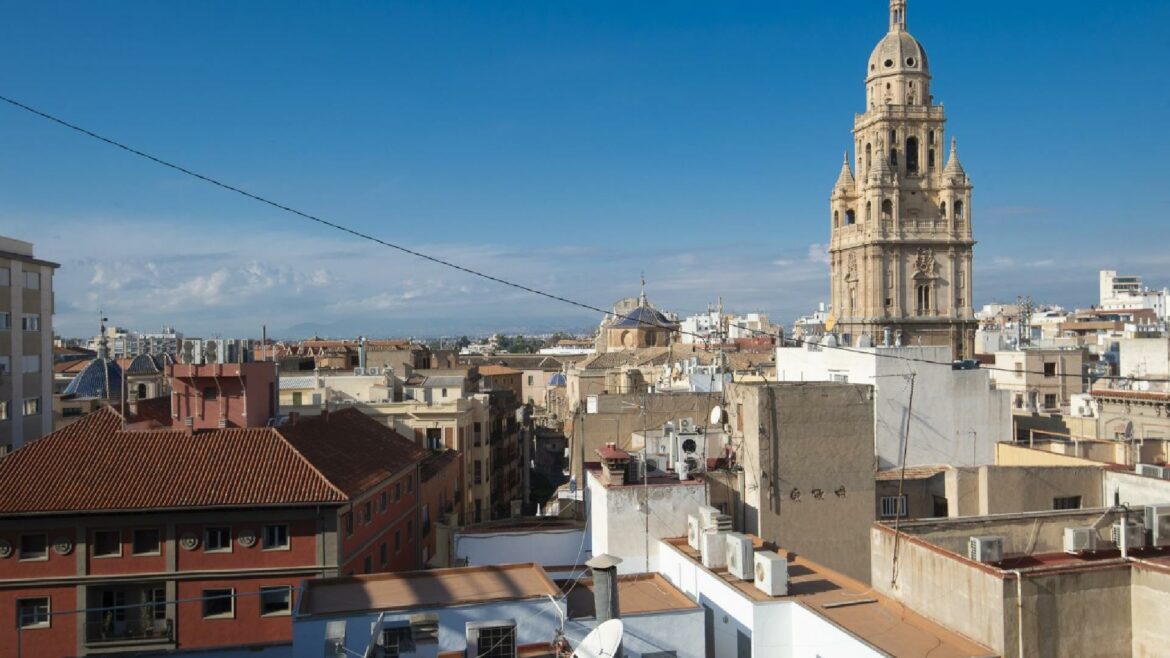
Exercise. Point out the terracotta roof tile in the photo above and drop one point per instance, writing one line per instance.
(93, 465)
(352, 450)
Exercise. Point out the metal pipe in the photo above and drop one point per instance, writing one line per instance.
(1019, 612)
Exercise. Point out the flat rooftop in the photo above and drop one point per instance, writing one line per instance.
(637, 594)
(425, 589)
(524, 525)
(656, 479)
(853, 607)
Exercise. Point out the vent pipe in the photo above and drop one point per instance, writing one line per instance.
(605, 586)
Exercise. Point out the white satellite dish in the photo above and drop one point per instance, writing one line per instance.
(717, 415)
(603, 641)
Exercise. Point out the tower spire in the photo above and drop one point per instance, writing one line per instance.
(954, 168)
(103, 342)
(642, 295)
(897, 15)
(845, 179)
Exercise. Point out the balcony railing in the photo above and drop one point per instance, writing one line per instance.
(108, 630)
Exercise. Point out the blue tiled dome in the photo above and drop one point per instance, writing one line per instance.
(558, 379)
(101, 378)
(144, 364)
(643, 316)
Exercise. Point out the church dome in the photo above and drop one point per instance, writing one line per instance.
(898, 52)
(102, 378)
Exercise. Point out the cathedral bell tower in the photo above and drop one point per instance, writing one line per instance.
(901, 244)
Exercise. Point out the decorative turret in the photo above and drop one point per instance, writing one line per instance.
(954, 170)
(845, 181)
(880, 172)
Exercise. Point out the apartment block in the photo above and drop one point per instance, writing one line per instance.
(26, 345)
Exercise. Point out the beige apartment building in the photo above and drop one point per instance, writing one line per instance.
(26, 345)
(1040, 379)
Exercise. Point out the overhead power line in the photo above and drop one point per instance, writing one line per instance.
(483, 275)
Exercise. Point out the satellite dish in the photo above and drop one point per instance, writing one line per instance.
(603, 641)
(717, 415)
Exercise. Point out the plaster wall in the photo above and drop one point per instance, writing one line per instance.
(956, 415)
(1083, 613)
(1132, 489)
(1012, 489)
(620, 528)
(1150, 599)
(548, 548)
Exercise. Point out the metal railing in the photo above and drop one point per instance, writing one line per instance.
(110, 630)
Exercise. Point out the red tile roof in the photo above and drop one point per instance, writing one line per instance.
(352, 450)
(94, 465)
(491, 369)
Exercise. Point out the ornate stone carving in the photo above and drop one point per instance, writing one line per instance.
(62, 546)
(925, 264)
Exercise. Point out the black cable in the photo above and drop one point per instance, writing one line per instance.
(468, 270)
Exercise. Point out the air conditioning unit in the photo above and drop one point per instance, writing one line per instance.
(192, 352)
(359, 371)
(1135, 535)
(694, 529)
(686, 425)
(739, 555)
(213, 351)
(1150, 470)
(707, 515)
(1157, 522)
(985, 549)
(691, 450)
(374, 372)
(713, 547)
(491, 638)
(771, 573)
(635, 469)
(1080, 539)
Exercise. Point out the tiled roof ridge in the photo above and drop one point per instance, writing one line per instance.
(300, 455)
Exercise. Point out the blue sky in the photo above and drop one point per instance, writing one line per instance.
(566, 145)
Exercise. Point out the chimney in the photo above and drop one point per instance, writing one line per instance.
(292, 417)
(605, 587)
(614, 461)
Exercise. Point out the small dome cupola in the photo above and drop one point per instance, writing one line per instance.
(897, 60)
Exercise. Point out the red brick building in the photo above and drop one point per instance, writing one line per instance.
(442, 495)
(120, 535)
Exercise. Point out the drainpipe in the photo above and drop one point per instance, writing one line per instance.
(1019, 612)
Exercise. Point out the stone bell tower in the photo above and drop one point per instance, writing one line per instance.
(901, 243)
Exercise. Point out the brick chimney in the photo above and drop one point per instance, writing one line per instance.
(613, 464)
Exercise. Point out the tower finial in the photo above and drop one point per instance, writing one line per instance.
(103, 342)
(642, 295)
(897, 15)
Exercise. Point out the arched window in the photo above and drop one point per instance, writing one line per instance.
(836, 218)
(942, 209)
(893, 157)
(887, 210)
(930, 159)
(867, 154)
(868, 211)
(923, 298)
(930, 138)
(912, 155)
(958, 213)
(850, 217)
(142, 391)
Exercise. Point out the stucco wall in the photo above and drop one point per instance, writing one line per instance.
(941, 587)
(1011, 489)
(620, 527)
(1080, 613)
(548, 548)
(1129, 488)
(1150, 599)
(1007, 454)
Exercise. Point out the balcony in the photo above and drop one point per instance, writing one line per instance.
(108, 631)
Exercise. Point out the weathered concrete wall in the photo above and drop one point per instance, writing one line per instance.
(1079, 613)
(952, 591)
(1129, 488)
(807, 451)
(1023, 534)
(962, 487)
(1007, 454)
(920, 495)
(623, 527)
(1150, 601)
(1012, 489)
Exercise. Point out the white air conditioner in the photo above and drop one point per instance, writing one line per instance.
(374, 372)
(213, 351)
(771, 573)
(985, 549)
(1135, 535)
(495, 638)
(739, 555)
(713, 546)
(1149, 470)
(694, 529)
(1080, 539)
(707, 515)
(1157, 522)
(691, 449)
(359, 371)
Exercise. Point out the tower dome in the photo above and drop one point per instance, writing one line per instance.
(897, 53)
(898, 72)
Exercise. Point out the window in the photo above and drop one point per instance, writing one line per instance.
(209, 393)
(71, 412)
(492, 639)
(348, 520)
(397, 491)
(368, 564)
(397, 542)
(893, 506)
(958, 211)
(409, 484)
(5, 320)
(146, 541)
(297, 398)
(382, 559)
(409, 529)
(32, 406)
(219, 603)
(397, 641)
(275, 536)
(1049, 400)
(30, 322)
(32, 280)
(275, 600)
(434, 438)
(530, 380)
(444, 393)
(158, 601)
(383, 503)
(478, 472)
(30, 363)
(923, 298)
(5, 276)
(218, 538)
(34, 547)
(3, 409)
(1066, 502)
(888, 210)
(930, 159)
(912, 155)
(32, 613)
(367, 512)
(1050, 369)
(850, 217)
(107, 543)
(836, 218)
